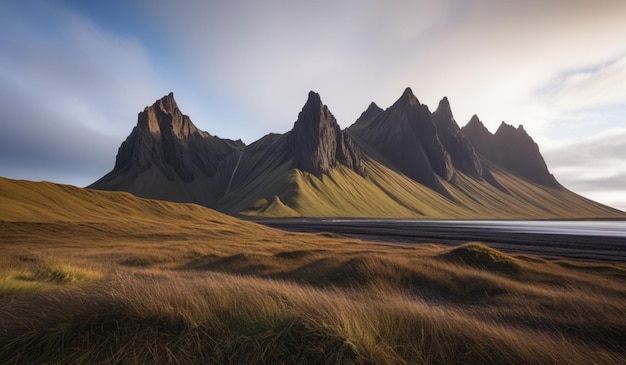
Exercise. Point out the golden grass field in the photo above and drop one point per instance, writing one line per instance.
(101, 277)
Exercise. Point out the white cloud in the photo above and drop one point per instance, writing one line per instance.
(487, 56)
(492, 57)
(269, 55)
(241, 69)
(593, 167)
(71, 92)
(599, 86)
(614, 198)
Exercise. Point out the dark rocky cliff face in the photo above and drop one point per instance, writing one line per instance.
(511, 149)
(406, 137)
(479, 136)
(369, 114)
(455, 143)
(167, 157)
(166, 138)
(318, 144)
(519, 154)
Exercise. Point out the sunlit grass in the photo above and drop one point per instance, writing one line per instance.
(483, 257)
(29, 278)
(133, 281)
(162, 317)
(386, 193)
(17, 281)
(333, 301)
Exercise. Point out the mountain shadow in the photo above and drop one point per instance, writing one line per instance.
(403, 161)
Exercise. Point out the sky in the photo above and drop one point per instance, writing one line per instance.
(74, 74)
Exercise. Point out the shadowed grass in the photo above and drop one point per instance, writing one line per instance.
(380, 304)
(89, 277)
(217, 318)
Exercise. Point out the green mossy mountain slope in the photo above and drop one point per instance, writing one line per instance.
(403, 162)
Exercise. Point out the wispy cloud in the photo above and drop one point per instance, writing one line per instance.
(593, 87)
(69, 91)
(487, 56)
(269, 54)
(241, 69)
(593, 167)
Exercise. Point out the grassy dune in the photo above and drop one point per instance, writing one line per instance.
(94, 277)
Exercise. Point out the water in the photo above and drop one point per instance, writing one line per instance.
(611, 228)
(596, 240)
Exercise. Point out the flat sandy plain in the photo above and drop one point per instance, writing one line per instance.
(100, 277)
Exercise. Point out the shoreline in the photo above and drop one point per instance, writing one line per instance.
(579, 247)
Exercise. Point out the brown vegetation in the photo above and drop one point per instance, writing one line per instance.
(175, 284)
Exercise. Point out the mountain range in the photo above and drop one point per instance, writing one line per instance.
(402, 162)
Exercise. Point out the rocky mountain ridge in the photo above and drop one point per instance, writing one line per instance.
(511, 149)
(318, 144)
(401, 161)
(166, 145)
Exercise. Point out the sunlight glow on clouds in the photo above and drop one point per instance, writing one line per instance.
(241, 69)
(347, 51)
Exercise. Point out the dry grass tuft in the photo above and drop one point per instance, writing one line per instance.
(482, 257)
(219, 318)
(27, 273)
(90, 277)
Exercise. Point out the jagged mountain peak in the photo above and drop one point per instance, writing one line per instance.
(317, 142)
(477, 133)
(475, 122)
(314, 98)
(444, 107)
(408, 98)
(372, 109)
(166, 105)
(313, 109)
(512, 149)
(407, 150)
(373, 105)
(165, 142)
(164, 117)
(314, 119)
(505, 128)
(443, 115)
(444, 118)
(167, 102)
(520, 154)
(368, 115)
(508, 133)
(408, 93)
(406, 137)
(314, 112)
(455, 144)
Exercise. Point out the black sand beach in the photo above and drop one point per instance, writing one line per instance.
(597, 247)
